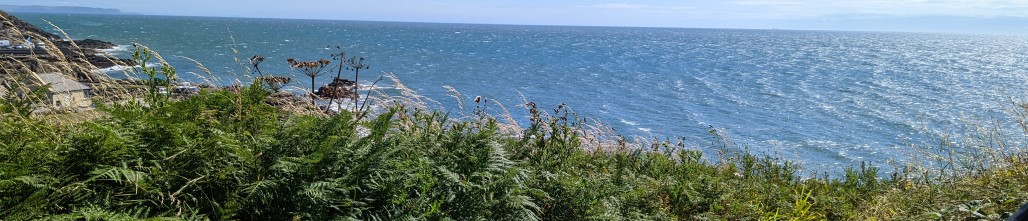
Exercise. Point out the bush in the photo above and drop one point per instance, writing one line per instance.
(227, 155)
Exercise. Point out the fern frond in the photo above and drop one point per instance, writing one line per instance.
(321, 192)
(498, 161)
(120, 175)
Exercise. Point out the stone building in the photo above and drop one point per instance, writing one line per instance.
(66, 92)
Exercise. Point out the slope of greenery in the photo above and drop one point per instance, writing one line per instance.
(226, 155)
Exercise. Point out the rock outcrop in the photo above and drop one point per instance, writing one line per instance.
(338, 89)
(79, 59)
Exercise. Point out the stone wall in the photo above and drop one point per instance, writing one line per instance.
(74, 99)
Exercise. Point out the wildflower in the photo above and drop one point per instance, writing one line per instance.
(311, 69)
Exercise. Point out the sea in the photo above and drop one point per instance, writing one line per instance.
(826, 99)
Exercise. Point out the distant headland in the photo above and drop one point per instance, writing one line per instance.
(61, 9)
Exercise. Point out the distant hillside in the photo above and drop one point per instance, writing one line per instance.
(59, 9)
(13, 28)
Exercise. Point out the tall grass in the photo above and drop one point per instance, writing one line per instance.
(229, 155)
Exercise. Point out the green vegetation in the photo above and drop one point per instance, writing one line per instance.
(227, 155)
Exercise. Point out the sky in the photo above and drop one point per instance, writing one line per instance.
(960, 16)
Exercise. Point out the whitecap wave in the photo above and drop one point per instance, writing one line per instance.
(117, 68)
(117, 49)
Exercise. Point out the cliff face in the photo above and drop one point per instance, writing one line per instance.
(60, 9)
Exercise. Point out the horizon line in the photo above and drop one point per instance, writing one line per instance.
(126, 13)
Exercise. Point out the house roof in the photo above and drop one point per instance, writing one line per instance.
(59, 83)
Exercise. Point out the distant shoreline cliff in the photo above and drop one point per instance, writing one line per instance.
(60, 9)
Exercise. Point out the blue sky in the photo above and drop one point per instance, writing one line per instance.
(968, 16)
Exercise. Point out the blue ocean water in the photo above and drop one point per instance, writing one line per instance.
(824, 98)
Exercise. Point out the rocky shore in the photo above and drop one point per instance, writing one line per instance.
(76, 57)
(84, 59)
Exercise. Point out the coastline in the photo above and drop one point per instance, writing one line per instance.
(250, 151)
